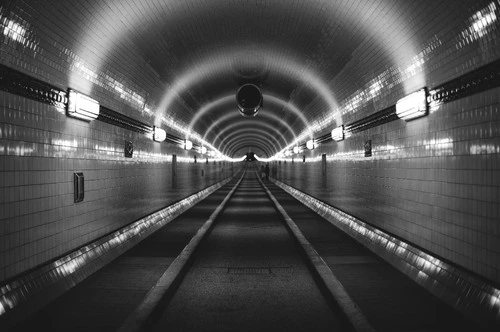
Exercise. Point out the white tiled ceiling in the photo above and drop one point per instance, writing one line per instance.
(188, 56)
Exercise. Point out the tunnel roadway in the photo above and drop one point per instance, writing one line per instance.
(248, 273)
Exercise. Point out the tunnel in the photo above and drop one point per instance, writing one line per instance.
(359, 191)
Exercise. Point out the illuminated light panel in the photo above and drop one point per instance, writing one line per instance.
(296, 149)
(82, 107)
(188, 145)
(310, 144)
(412, 106)
(203, 150)
(172, 123)
(159, 135)
(338, 133)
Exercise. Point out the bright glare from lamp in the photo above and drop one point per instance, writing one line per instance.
(188, 145)
(81, 106)
(412, 106)
(310, 144)
(295, 149)
(338, 133)
(159, 135)
(203, 150)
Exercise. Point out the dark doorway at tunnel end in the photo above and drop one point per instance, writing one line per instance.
(250, 156)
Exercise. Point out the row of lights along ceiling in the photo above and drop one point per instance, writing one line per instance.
(408, 108)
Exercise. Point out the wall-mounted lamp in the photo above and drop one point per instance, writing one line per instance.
(295, 149)
(412, 106)
(310, 144)
(188, 145)
(203, 150)
(338, 133)
(159, 135)
(81, 106)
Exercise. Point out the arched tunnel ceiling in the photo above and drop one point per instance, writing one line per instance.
(203, 51)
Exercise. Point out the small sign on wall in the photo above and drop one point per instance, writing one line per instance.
(129, 149)
(174, 171)
(78, 180)
(323, 166)
(368, 148)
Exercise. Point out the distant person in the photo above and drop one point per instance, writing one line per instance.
(266, 170)
(262, 174)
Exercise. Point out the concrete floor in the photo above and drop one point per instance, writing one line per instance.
(249, 276)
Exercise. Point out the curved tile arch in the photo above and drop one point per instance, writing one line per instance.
(253, 126)
(251, 139)
(207, 108)
(113, 24)
(246, 122)
(242, 132)
(250, 144)
(253, 148)
(250, 135)
(243, 126)
(230, 115)
(213, 64)
(295, 110)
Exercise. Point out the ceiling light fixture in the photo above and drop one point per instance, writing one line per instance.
(81, 106)
(159, 135)
(310, 144)
(412, 106)
(338, 133)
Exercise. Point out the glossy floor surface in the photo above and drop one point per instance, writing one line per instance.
(389, 299)
(248, 274)
(103, 301)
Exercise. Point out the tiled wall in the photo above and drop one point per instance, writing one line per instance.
(433, 181)
(41, 148)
